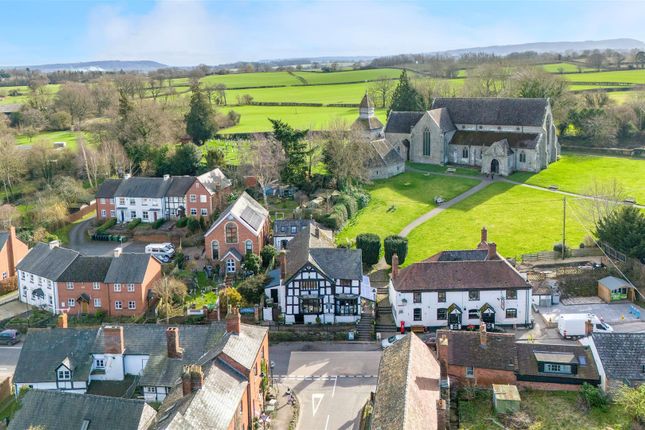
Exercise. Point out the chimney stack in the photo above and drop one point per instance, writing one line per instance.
(172, 341)
(192, 379)
(127, 176)
(10, 251)
(482, 334)
(282, 260)
(233, 321)
(484, 235)
(317, 232)
(117, 252)
(113, 342)
(395, 266)
(54, 244)
(166, 177)
(492, 251)
(588, 327)
(62, 321)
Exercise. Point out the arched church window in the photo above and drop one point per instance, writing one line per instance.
(464, 153)
(426, 142)
(522, 157)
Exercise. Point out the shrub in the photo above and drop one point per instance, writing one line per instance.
(134, 223)
(252, 263)
(558, 248)
(632, 401)
(181, 222)
(158, 223)
(370, 244)
(395, 244)
(193, 224)
(350, 204)
(593, 397)
(58, 121)
(202, 222)
(362, 199)
(106, 226)
(180, 260)
(340, 210)
(268, 255)
(251, 289)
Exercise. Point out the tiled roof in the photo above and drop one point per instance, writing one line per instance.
(179, 186)
(45, 349)
(4, 236)
(246, 208)
(528, 355)
(140, 186)
(465, 255)
(402, 122)
(86, 269)
(408, 387)
(441, 117)
(466, 349)
(46, 262)
(282, 227)
(367, 124)
(213, 179)
(622, 354)
(458, 275)
(58, 410)
(380, 153)
(495, 111)
(108, 188)
(243, 348)
(128, 268)
(487, 138)
(212, 407)
(366, 102)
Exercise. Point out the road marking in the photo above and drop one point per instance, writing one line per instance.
(327, 422)
(333, 392)
(320, 378)
(316, 399)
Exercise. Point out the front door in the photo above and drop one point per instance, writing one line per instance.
(122, 216)
(299, 318)
(154, 216)
(494, 166)
(83, 307)
(406, 144)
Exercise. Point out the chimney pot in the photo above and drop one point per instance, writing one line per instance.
(117, 252)
(172, 342)
(233, 321)
(62, 321)
(484, 235)
(492, 251)
(317, 232)
(166, 177)
(395, 265)
(113, 342)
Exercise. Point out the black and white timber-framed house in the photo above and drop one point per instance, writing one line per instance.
(320, 283)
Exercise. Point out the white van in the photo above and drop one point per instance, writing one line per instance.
(163, 251)
(574, 325)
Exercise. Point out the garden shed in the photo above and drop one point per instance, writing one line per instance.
(506, 398)
(612, 289)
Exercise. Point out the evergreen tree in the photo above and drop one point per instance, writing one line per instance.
(624, 229)
(405, 97)
(295, 150)
(200, 121)
(186, 160)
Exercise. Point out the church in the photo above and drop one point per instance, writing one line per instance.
(498, 135)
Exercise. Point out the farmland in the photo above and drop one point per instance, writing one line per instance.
(49, 137)
(566, 68)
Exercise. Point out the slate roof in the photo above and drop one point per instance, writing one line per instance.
(622, 354)
(495, 111)
(86, 269)
(366, 102)
(108, 188)
(465, 349)
(367, 124)
(212, 407)
(179, 186)
(441, 117)
(46, 262)
(528, 355)
(321, 252)
(246, 208)
(408, 387)
(211, 180)
(402, 122)
(140, 186)
(244, 347)
(459, 275)
(487, 138)
(4, 236)
(57, 410)
(382, 154)
(44, 350)
(465, 255)
(128, 268)
(282, 227)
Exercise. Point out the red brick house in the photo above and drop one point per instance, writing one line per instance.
(12, 250)
(243, 227)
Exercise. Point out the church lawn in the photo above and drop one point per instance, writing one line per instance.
(519, 219)
(435, 168)
(577, 172)
(548, 410)
(397, 201)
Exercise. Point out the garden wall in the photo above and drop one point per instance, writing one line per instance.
(84, 210)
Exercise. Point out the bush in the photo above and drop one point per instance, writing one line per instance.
(340, 210)
(268, 255)
(59, 121)
(395, 244)
(106, 226)
(558, 248)
(350, 204)
(370, 244)
(252, 263)
(134, 223)
(593, 397)
(158, 223)
(193, 224)
(362, 200)
(202, 223)
(180, 260)
(251, 289)
(181, 222)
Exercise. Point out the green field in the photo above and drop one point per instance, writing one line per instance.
(567, 68)
(576, 87)
(256, 118)
(630, 76)
(6, 99)
(548, 410)
(54, 136)
(519, 219)
(326, 94)
(399, 200)
(576, 173)
(621, 97)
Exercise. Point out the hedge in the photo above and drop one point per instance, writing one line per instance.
(350, 204)
(181, 222)
(134, 223)
(370, 245)
(395, 244)
(158, 223)
(106, 225)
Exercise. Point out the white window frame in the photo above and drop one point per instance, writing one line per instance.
(117, 287)
(193, 198)
(230, 265)
(71, 303)
(97, 303)
(103, 213)
(470, 372)
(132, 304)
(118, 305)
(64, 375)
(204, 212)
(144, 215)
(193, 211)
(202, 198)
(248, 248)
(131, 288)
(112, 213)
(100, 363)
(96, 285)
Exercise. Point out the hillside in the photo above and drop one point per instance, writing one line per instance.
(624, 44)
(107, 66)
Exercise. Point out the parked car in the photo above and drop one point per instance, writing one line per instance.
(574, 325)
(390, 340)
(162, 258)
(9, 337)
(161, 250)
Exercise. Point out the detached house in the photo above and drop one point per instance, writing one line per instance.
(620, 358)
(318, 280)
(62, 280)
(168, 197)
(242, 227)
(459, 289)
(12, 251)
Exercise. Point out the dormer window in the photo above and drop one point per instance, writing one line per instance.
(556, 368)
(64, 375)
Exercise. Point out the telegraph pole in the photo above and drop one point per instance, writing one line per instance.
(564, 226)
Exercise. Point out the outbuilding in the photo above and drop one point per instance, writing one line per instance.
(506, 398)
(612, 289)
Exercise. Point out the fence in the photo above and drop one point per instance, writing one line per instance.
(555, 255)
(84, 210)
(613, 253)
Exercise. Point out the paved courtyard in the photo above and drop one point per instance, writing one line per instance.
(611, 313)
(332, 381)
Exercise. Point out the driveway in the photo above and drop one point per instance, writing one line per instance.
(79, 241)
(332, 381)
(615, 313)
(8, 359)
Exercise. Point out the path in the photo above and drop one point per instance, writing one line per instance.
(79, 241)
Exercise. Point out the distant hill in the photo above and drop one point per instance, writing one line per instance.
(105, 66)
(555, 47)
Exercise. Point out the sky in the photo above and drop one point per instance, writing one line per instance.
(190, 32)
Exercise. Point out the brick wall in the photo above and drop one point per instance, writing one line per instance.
(243, 234)
(482, 377)
(547, 386)
(201, 199)
(103, 206)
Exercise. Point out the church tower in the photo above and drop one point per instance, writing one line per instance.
(366, 108)
(367, 122)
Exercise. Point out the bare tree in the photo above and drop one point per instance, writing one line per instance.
(12, 164)
(266, 158)
(9, 215)
(221, 94)
(170, 291)
(345, 154)
(382, 88)
(596, 60)
(104, 94)
(75, 99)
(486, 80)
(606, 197)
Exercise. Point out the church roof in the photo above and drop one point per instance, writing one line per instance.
(382, 154)
(402, 122)
(495, 111)
(441, 117)
(503, 144)
(487, 138)
(367, 124)
(366, 102)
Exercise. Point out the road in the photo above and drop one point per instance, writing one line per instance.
(332, 381)
(9, 358)
(79, 241)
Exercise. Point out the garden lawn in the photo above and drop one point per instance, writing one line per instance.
(548, 410)
(519, 219)
(50, 137)
(577, 172)
(256, 118)
(397, 201)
